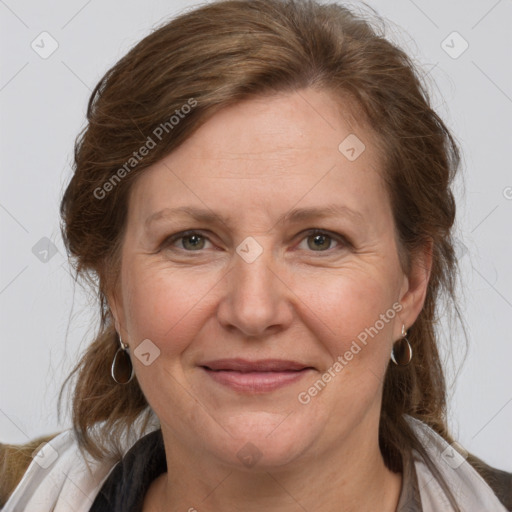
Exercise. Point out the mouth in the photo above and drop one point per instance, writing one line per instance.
(259, 376)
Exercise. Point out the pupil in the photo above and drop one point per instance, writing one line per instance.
(193, 240)
(320, 240)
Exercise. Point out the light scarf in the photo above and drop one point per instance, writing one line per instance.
(59, 479)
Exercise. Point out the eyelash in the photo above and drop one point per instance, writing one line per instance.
(340, 239)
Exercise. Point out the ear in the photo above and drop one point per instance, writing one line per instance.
(414, 290)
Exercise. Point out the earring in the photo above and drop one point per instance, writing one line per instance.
(122, 368)
(401, 353)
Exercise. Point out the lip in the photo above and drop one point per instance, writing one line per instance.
(259, 376)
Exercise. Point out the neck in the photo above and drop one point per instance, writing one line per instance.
(343, 479)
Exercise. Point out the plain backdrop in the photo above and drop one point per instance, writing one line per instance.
(463, 49)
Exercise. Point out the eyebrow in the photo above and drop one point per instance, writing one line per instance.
(293, 216)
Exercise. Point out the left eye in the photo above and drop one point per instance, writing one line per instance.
(319, 241)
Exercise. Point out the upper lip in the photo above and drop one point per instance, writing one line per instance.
(261, 365)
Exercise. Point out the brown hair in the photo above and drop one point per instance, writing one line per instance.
(219, 54)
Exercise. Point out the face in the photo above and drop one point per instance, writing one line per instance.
(261, 289)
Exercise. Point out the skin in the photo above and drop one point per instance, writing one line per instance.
(250, 164)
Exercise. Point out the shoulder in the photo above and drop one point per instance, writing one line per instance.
(14, 461)
(57, 467)
(478, 485)
(498, 480)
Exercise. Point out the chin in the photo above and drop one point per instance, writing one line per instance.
(264, 441)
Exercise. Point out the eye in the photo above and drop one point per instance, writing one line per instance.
(316, 240)
(189, 241)
(321, 241)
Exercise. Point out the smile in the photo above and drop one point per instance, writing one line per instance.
(256, 376)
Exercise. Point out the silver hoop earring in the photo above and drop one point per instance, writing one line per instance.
(401, 353)
(122, 368)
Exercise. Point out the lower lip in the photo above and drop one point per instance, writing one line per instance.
(256, 382)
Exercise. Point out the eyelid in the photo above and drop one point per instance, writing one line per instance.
(338, 237)
(169, 240)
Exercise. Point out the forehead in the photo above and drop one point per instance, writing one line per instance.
(268, 153)
(277, 126)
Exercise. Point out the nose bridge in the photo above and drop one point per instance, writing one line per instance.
(255, 297)
(254, 277)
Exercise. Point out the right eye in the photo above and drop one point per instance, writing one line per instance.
(190, 241)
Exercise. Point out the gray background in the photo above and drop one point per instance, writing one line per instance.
(44, 322)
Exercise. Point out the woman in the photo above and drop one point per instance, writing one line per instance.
(262, 197)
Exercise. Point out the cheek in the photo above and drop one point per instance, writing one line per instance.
(163, 304)
(352, 312)
(353, 320)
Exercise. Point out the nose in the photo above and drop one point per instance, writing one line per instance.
(257, 300)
